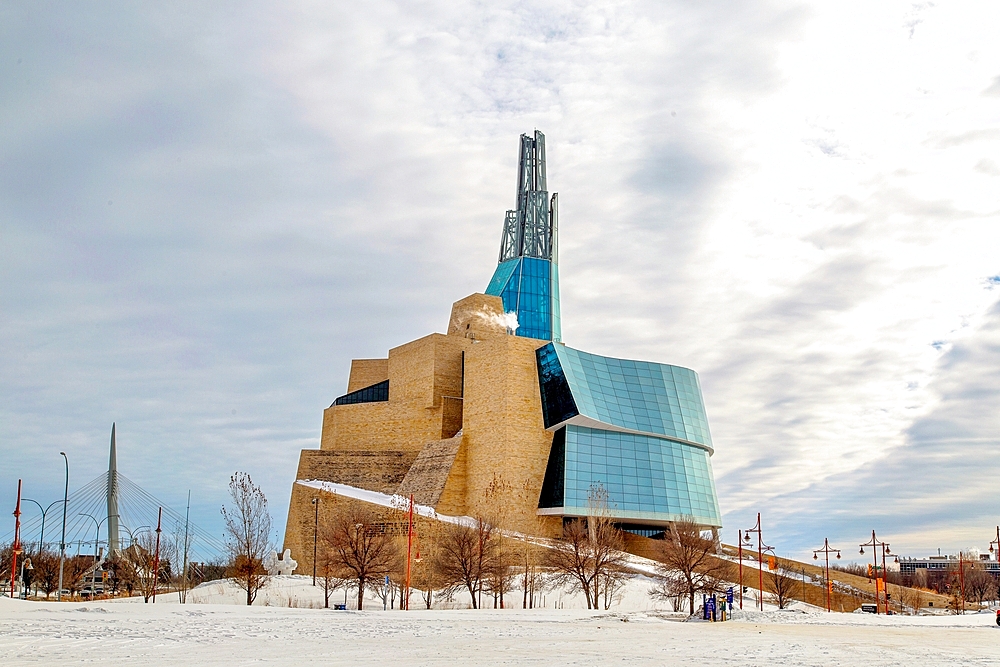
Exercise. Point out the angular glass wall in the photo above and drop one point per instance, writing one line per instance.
(647, 479)
(640, 396)
(636, 428)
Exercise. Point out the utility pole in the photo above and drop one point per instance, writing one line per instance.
(62, 541)
(184, 570)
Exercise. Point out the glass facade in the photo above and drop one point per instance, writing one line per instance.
(372, 394)
(636, 428)
(530, 287)
(636, 395)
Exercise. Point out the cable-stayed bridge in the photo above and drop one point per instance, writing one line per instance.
(110, 513)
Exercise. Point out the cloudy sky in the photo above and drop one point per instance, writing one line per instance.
(207, 210)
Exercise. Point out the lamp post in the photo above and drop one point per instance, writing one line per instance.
(315, 502)
(761, 548)
(97, 541)
(739, 556)
(62, 541)
(826, 550)
(97, 535)
(137, 531)
(875, 544)
(41, 534)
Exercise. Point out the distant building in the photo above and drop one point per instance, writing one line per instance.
(499, 394)
(939, 570)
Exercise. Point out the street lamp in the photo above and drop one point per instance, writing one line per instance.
(761, 548)
(62, 541)
(997, 543)
(315, 502)
(41, 534)
(827, 550)
(739, 556)
(97, 540)
(137, 531)
(875, 543)
(97, 535)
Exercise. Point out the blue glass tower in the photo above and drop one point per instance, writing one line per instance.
(527, 275)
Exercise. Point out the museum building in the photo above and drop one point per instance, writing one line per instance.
(499, 395)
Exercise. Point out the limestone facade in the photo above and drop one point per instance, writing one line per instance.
(464, 409)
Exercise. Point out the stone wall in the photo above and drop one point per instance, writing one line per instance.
(477, 380)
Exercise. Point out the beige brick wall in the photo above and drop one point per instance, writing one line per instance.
(477, 316)
(366, 372)
(503, 426)
(372, 445)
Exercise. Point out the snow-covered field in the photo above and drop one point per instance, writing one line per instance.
(215, 633)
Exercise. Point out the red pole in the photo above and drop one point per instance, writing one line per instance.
(409, 548)
(156, 559)
(740, 537)
(16, 549)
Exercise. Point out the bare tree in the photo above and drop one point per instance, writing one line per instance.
(611, 582)
(672, 587)
(462, 556)
(46, 566)
(687, 561)
(426, 576)
(74, 570)
(499, 573)
(121, 574)
(248, 535)
(780, 585)
(910, 597)
(141, 556)
(178, 545)
(359, 548)
(979, 585)
(591, 552)
(529, 560)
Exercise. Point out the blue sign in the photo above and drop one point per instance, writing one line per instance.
(729, 595)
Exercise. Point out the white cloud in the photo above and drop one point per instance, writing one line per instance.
(795, 200)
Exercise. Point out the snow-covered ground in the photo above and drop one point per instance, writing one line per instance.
(634, 632)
